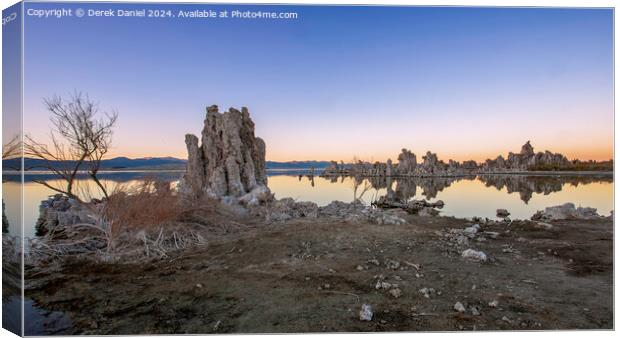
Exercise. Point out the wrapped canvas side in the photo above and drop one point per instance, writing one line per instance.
(12, 177)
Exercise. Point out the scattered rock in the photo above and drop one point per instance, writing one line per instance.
(388, 218)
(491, 234)
(459, 307)
(392, 264)
(396, 293)
(427, 292)
(472, 230)
(366, 313)
(381, 285)
(502, 213)
(286, 208)
(428, 211)
(374, 261)
(474, 255)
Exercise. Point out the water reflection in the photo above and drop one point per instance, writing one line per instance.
(525, 186)
(470, 196)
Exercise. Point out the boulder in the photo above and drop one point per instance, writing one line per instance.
(366, 313)
(565, 211)
(474, 255)
(60, 210)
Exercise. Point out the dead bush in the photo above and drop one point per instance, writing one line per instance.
(136, 222)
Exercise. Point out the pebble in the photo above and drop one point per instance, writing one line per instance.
(396, 293)
(459, 307)
(366, 313)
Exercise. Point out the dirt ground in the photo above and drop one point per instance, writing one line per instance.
(314, 276)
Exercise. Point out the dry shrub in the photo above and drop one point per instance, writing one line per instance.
(137, 222)
(142, 206)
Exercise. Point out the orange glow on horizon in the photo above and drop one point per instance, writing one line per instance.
(598, 154)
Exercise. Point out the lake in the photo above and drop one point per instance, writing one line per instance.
(464, 197)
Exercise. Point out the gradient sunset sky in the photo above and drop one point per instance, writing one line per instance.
(339, 82)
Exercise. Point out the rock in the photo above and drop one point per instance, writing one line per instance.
(60, 210)
(259, 195)
(428, 211)
(388, 218)
(381, 285)
(565, 211)
(544, 225)
(474, 311)
(388, 168)
(366, 313)
(459, 307)
(407, 163)
(229, 162)
(462, 240)
(336, 169)
(491, 234)
(374, 261)
(286, 208)
(396, 293)
(474, 255)
(341, 210)
(471, 231)
(427, 292)
(392, 264)
(502, 213)
(494, 303)
(526, 160)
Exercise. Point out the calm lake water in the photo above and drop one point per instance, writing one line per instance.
(463, 197)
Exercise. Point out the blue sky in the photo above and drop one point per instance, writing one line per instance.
(339, 82)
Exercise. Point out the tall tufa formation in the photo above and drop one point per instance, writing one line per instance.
(230, 162)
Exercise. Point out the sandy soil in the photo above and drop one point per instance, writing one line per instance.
(314, 276)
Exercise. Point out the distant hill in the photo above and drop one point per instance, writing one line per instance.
(117, 163)
(151, 163)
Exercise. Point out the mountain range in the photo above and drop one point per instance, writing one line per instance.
(149, 163)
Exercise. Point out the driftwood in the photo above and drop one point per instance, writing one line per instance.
(412, 207)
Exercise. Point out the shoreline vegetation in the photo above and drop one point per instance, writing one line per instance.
(220, 254)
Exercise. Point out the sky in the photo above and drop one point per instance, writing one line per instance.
(337, 82)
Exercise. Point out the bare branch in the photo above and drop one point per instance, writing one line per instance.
(79, 140)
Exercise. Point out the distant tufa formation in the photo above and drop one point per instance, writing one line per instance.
(230, 162)
(407, 165)
(526, 160)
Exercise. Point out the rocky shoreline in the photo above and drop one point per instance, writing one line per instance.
(316, 274)
(222, 255)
